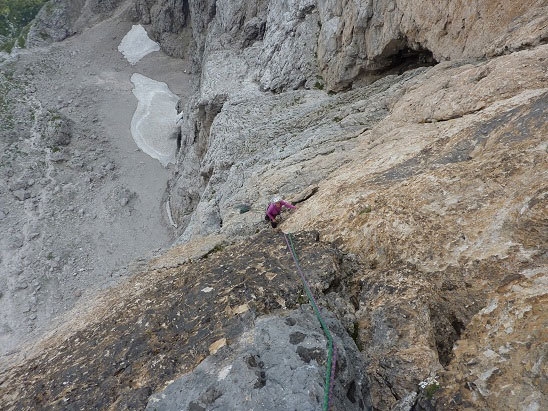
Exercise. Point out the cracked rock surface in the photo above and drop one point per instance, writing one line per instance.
(411, 139)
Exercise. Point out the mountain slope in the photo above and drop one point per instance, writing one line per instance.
(413, 141)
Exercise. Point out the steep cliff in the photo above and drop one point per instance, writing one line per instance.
(289, 45)
(412, 137)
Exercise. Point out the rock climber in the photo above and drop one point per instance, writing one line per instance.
(274, 209)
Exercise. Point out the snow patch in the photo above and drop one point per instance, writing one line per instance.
(170, 216)
(136, 44)
(153, 126)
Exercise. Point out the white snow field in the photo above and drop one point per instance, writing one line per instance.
(136, 44)
(154, 124)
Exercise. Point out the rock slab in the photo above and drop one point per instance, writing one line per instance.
(280, 364)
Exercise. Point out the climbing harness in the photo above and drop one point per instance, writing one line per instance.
(331, 351)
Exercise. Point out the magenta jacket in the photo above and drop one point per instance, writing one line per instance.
(273, 210)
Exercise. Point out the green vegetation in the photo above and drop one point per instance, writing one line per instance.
(430, 390)
(216, 249)
(54, 115)
(7, 45)
(302, 299)
(15, 19)
(16, 14)
(429, 387)
(365, 210)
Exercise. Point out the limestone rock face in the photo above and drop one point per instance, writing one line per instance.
(265, 153)
(358, 37)
(426, 176)
(337, 43)
(54, 22)
(425, 189)
(168, 22)
(59, 19)
(278, 353)
(433, 178)
(207, 310)
(287, 58)
(243, 49)
(504, 344)
(459, 209)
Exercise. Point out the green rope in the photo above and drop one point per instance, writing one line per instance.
(328, 372)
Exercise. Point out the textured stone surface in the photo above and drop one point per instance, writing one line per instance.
(459, 193)
(281, 144)
(59, 19)
(278, 364)
(376, 35)
(431, 180)
(501, 359)
(440, 174)
(337, 43)
(163, 323)
(54, 22)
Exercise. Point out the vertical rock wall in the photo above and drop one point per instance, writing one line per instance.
(342, 40)
(242, 50)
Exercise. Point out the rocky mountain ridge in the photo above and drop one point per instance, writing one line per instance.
(426, 188)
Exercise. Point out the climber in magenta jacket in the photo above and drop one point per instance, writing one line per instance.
(275, 208)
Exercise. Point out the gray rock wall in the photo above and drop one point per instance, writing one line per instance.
(300, 43)
(438, 167)
(54, 22)
(247, 51)
(343, 41)
(261, 145)
(59, 19)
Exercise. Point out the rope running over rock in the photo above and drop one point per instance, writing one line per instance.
(331, 351)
